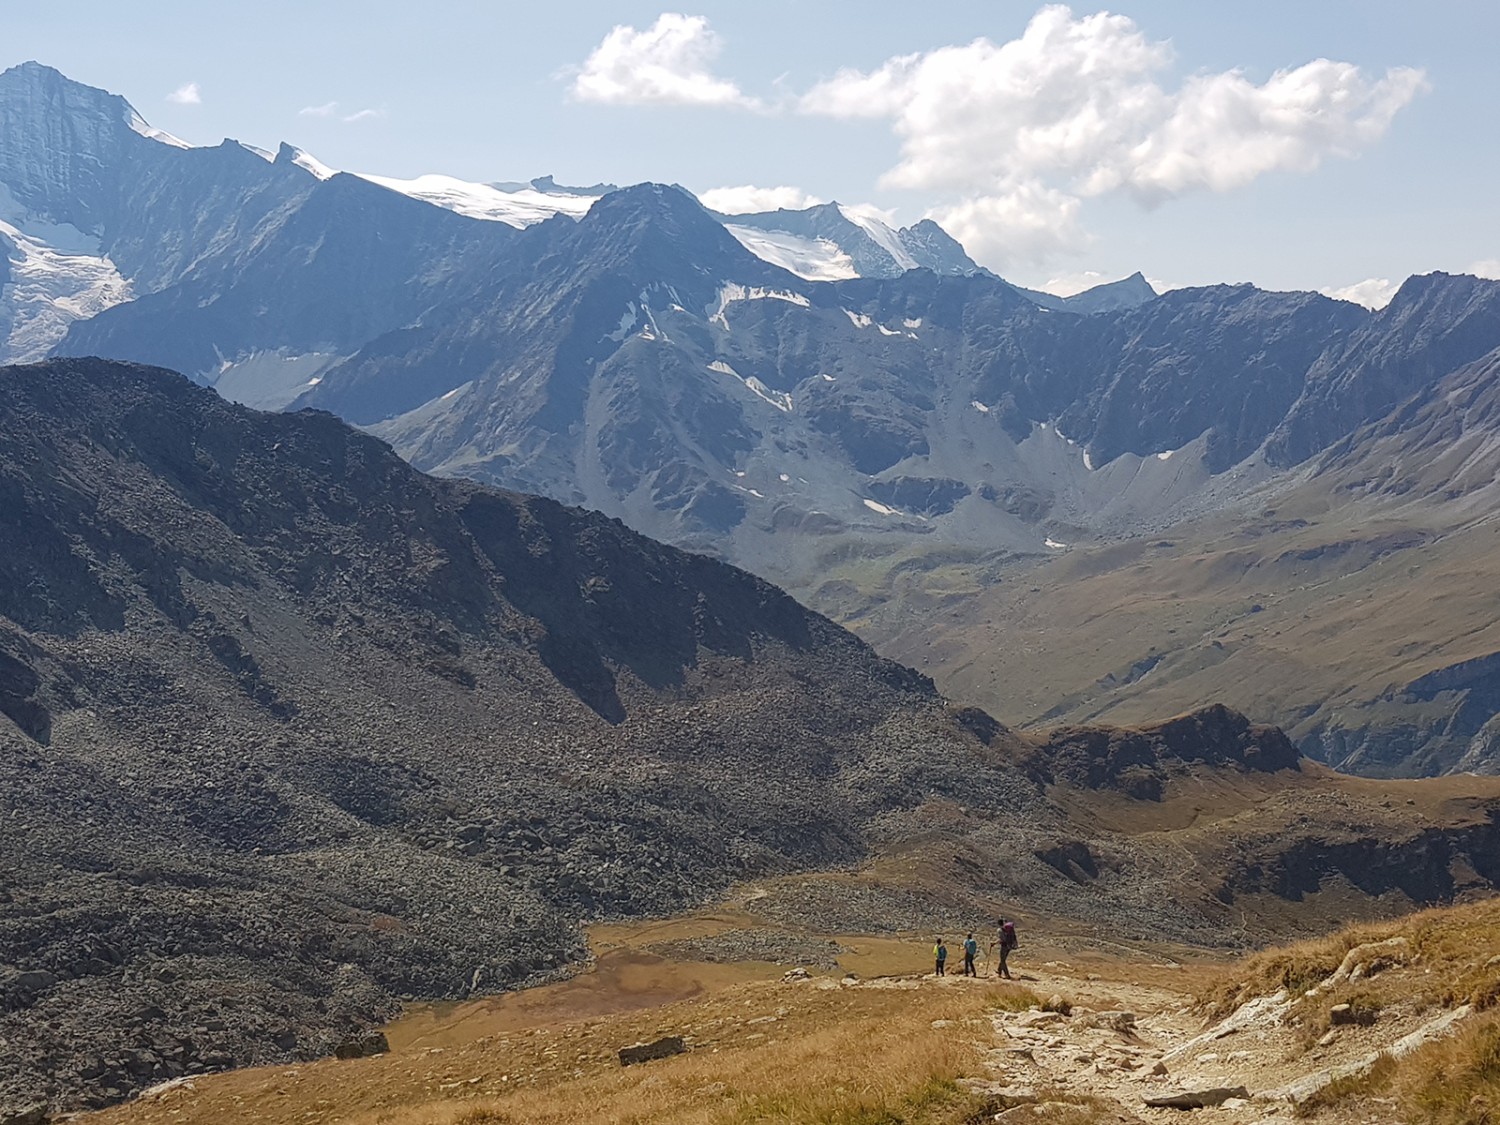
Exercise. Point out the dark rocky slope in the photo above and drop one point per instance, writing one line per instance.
(292, 731)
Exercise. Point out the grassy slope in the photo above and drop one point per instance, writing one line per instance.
(1298, 617)
(1452, 1081)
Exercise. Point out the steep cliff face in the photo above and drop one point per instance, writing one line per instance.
(65, 146)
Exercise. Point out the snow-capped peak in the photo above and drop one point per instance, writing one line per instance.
(307, 161)
(518, 208)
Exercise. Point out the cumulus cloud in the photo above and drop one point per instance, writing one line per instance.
(1027, 223)
(1372, 292)
(670, 63)
(1018, 134)
(186, 94)
(746, 198)
(1488, 268)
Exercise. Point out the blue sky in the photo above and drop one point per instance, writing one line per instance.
(1306, 145)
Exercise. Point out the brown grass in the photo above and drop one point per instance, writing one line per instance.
(760, 1052)
(1454, 1081)
(880, 1063)
(1451, 944)
(1372, 1083)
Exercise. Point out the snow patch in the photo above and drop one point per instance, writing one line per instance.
(859, 320)
(1165, 455)
(979, 406)
(874, 225)
(912, 322)
(481, 201)
(784, 479)
(730, 292)
(779, 399)
(828, 379)
(627, 322)
(815, 259)
(57, 276)
(310, 163)
(1054, 544)
(1088, 462)
(138, 124)
(876, 506)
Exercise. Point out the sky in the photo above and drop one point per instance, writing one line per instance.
(1336, 145)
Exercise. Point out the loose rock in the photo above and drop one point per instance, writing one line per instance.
(665, 1047)
(1197, 1099)
(363, 1046)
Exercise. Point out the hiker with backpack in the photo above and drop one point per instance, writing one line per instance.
(1008, 943)
(971, 947)
(940, 956)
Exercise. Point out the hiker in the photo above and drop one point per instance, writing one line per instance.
(1007, 943)
(971, 947)
(940, 955)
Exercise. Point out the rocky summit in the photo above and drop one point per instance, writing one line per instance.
(292, 732)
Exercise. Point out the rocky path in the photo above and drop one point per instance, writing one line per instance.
(1145, 1052)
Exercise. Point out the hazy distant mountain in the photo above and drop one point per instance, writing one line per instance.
(830, 242)
(727, 382)
(1111, 296)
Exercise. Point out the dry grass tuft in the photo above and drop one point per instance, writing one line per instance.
(1450, 943)
(853, 1057)
(1013, 998)
(1451, 961)
(1454, 1081)
(1370, 1084)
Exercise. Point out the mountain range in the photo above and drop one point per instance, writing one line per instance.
(1107, 507)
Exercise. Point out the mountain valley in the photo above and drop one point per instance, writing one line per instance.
(417, 590)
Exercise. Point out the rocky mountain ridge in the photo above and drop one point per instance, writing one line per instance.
(843, 438)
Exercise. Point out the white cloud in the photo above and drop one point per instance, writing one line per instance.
(1488, 268)
(1067, 284)
(331, 109)
(746, 198)
(1028, 224)
(186, 94)
(667, 64)
(1018, 134)
(1372, 292)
